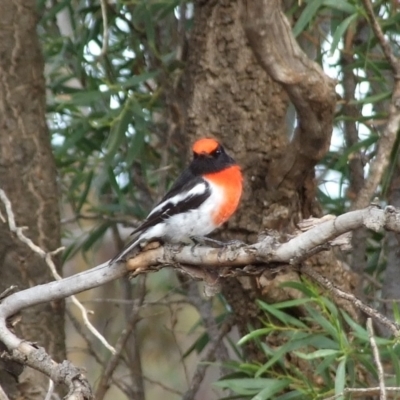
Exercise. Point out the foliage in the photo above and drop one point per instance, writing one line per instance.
(313, 350)
(117, 143)
(110, 114)
(107, 110)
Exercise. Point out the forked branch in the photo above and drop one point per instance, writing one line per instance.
(228, 260)
(310, 90)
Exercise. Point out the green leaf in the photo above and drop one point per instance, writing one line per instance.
(298, 340)
(281, 316)
(325, 365)
(247, 386)
(292, 303)
(340, 380)
(375, 98)
(396, 311)
(293, 395)
(306, 16)
(138, 140)
(274, 387)
(323, 322)
(118, 131)
(396, 366)
(300, 286)
(83, 97)
(95, 235)
(147, 18)
(254, 334)
(317, 354)
(358, 329)
(137, 79)
(53, 11)
(340, 30)
(115, 186)
(198, 345)
(85, 191)
(340, 5)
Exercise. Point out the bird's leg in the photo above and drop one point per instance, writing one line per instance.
(203, 240)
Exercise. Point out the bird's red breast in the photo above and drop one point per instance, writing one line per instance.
(230, 181)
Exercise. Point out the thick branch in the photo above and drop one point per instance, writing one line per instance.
(268, 250)
(310, 90)
(225, 261)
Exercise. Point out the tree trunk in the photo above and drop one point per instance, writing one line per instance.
(28, 177)
(230, 95)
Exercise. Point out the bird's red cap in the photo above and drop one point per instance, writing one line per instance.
(205, 145)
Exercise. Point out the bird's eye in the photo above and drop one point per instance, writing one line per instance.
(217, 152)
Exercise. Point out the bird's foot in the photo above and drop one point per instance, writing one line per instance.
(205, 241)
(202, 240)
(235, 243)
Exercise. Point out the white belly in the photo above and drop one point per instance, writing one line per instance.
(179, 227)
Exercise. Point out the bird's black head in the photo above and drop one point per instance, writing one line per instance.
(209, 156)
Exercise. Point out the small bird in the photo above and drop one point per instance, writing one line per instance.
(203, 197)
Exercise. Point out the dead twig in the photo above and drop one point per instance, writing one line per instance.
(204, 363)
(362, 392)
(49, 261)
(377, 360)
(371, 312)
(387, 50)
(231, 259)
(388, 134)
(3, 395)
(120, 346)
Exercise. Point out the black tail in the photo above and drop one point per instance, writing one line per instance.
(121, 257)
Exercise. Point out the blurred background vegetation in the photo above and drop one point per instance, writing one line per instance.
(112, 69)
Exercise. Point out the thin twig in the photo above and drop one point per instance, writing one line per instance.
(162, 386)
(49, 261)
(388, 135)
(89, 325)
(205, 363)
(181, 353)
(120, 345)
(204, 307)
(3, 395)
(85, 337)
(90, 349)
(262, 255)
(132, 348)
(387, 50)
(362, 392)
(50, 390)
(377, 360)
(104, 47)
(371, 312)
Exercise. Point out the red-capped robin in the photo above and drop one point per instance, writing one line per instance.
(204, 196)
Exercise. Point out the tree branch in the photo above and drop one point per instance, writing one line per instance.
(310, 90)
(112, 364)
(371, 312)
(388, 135)
(387, 50)
(205, 362)
(229, 260)
(377, 360)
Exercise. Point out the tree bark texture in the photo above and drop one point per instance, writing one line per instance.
(28, 176)
(244, 67)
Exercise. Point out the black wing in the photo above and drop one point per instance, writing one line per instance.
(170, 207)
(171, 204)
